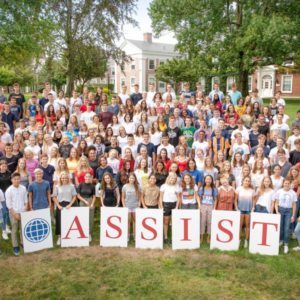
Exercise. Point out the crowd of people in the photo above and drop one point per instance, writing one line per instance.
(151, 151)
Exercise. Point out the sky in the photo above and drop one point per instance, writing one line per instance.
(144, 25)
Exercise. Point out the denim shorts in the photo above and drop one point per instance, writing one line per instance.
(245, 212)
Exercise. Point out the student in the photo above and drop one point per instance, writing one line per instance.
(192, 169)
(277, 179)
(291, 140)
(189, 197)
(258, 172)
(139, 135)
(226, 171)
(173, 132)
(282, 162)
(124, 96)
(113, 162)
(25, 175)
(87, 116)
(65, 147)
(3, 98)
(283, 128)
(199, 158)
(179, 122)
(285, 118)
(296, 122)
(114, 107)
(33, 147)
(256, 98)
(150, 194)
(169, 92)
(253, 136)
(161, 123)
(113, 145)
(224, 133)
(30, 162)
(64, 196)
(62, 167)
(261, 143)
(181, 159)
(128, 155)
(19, 97)
(242, 130)
(156, 136)
(239, 146)
(188, 131)
(142, 173)
(259, 154)
(245, 203)
(122, 175)
(234, 94)
(279, 101)
(115, 125)
(263, 128)
(15, 108)
(131, 199)
(143, 154)
(230, 111)
(218, 143)
(209, 169)
(285, 205)
(16, 202)
(216, 91)
(226, 194)
(273, 107)
(131, 146)
(9, 118)
(274, 152)
(110, 194)
(160, 172)
(213, 123)
(182, 142)
(267, 114)
(87, 197)
(82, 168)
(208, 196)
(75, 100)
(187, 94)
(169, 200)
(295, 154)
(39, 192)
(12, 160)
(165, 144)
(248, 117)
(103, 168)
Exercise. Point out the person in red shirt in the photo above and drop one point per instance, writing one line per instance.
(82, 168)
(39, 114)
(83, 107)
(218, 104)
(91, 100)
(105, 115)
(128, 156)
(163, 155)
(51, 113)
(159, 108)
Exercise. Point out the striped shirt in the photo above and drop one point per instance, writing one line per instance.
(226, 199)
(218, 144)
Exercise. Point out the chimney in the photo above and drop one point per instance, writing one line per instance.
(148, 37)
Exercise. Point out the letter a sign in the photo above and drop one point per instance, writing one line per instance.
(75, 227)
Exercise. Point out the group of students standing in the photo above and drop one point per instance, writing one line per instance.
(150, 151)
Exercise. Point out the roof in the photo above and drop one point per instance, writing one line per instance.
(153, 47)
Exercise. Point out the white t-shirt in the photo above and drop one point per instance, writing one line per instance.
(156, 138)
(200, 166)
(273, 154)
(35, 149)
(133, 149)
(236, 171)
(55, 176)
(115, 128)
(136, 119)
(213, 123)
(286, 198)
(244, 133)
(87, 117)
(129, 127)
(55, 106)
(49, 149)
(166, 94)
(170, 149)
(251, 162)
(60, 102)
(258, 177)
(285, 119)
(282, 128)
(189, 195)
(76, 101)
(277, 183)
(266, 200)
(138, 140)
(6, 138)
(114, 164)
(243, 149)
(124, 97)
(169, 192)
(238, 182)
(204, 146)
(280, 102)
(291, 141)
(149, 99)
(122, 141)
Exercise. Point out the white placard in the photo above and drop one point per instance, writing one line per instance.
(264, 233)
(36, 230)
(75, 227)
(114, 227)
(185, 229)
(149, 229)
(225, 230)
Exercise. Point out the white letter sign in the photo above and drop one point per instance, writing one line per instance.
(225, 230)
(185, 229)
(264, 233)
(149, 229)
(114, 227)
(36, 230)
(75, 227)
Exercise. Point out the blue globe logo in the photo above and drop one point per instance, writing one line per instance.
(37, 230)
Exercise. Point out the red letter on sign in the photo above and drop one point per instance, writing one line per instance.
(150, 229)
(109, 223)
(79, 228)
(264, 232)
(226, 231)
(185, 229)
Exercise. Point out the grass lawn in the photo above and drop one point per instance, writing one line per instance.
(129, 273)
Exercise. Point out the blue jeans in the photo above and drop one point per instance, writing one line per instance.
(297, 232)
(285, 222)
(261, 209)
(293, 225)
(5, 216)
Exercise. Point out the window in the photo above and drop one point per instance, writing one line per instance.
(250, 83)
(214, 80)
(287, 83)
(103, 80)
(161, 61)
(133, 65)
(122, 81)
(151, 64)
(132, 83)
(230, 80)
(113, 72)
(151, 79)
(161, 85)
(202, 81)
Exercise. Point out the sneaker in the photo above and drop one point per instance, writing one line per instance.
(294, 236)
(16, 250)
(245, 244)
(280, 244)
(128, 238)
(166, 241)
(133, 236)
(286, 249)
(4, 235)
(7, 229)
(90, 238)
(53, 219)
(58, 241)
(296, 249)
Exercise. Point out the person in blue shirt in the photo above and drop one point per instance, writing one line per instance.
(186, 92)
(224, 132)
(114, 107)
(32, 106)
(103, 168)
(216, 91)
(185, 106)
(191, 168)
(234, 94)
(198, 85)
(39, 192)
(15, 108)
(9, 118)
(44, 100)
(136, 96)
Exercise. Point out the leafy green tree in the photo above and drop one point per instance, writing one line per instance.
(176, 71)
(7, 76)
(239, 35)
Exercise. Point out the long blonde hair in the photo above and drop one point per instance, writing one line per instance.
(58, 170)
(60, 181)
(261, 189)
(255, 169)
(79, 168)
(21, 143)
(18, 170)
(171, 174)
(45, 147)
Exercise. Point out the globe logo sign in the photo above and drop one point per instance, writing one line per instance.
(36, 230)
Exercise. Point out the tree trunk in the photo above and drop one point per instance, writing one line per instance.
(243, 78)
(177, 88)
(70, 79)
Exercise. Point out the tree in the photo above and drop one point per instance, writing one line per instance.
(89, 62)
(7, 76)
(239, 35)
(176, 71)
